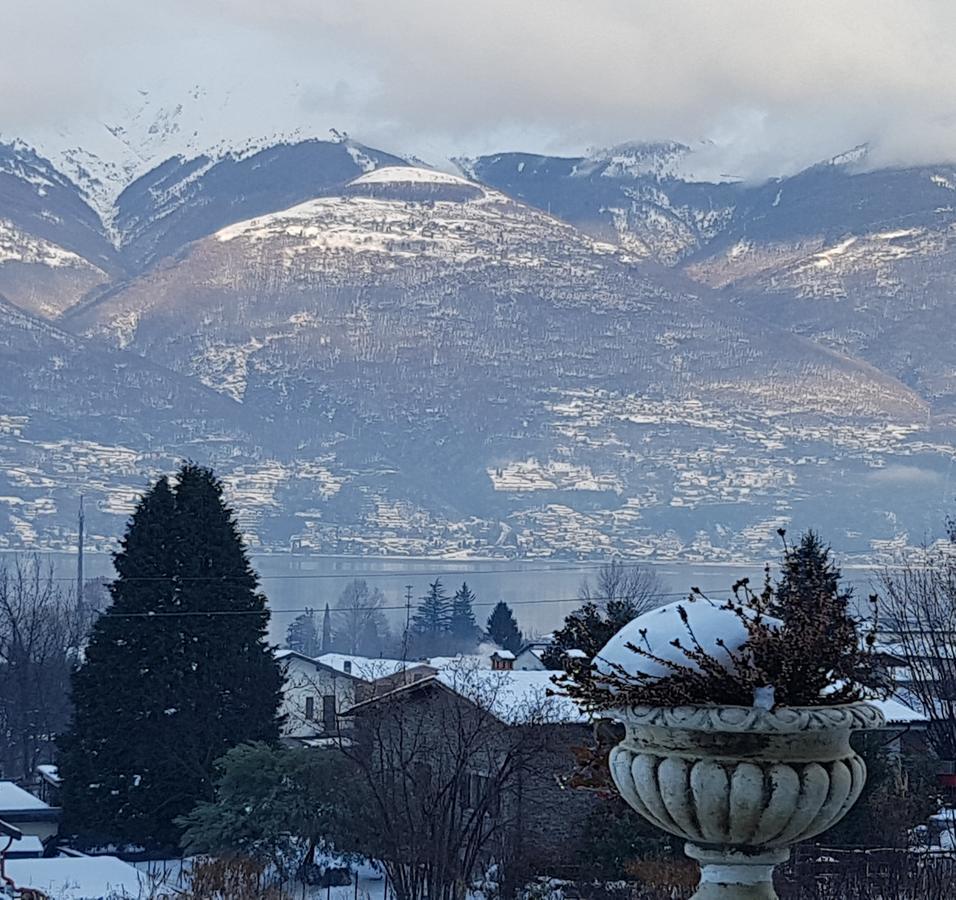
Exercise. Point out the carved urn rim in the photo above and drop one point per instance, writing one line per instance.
(742, 719)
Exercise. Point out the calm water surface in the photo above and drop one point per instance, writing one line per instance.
(541, 593)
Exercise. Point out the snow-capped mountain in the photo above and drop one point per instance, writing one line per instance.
(632, 195)
(186, 199)
(466, 365)
(53, 248)
(103, 157)
(547, 356)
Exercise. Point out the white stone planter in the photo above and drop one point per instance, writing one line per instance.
(741, 785)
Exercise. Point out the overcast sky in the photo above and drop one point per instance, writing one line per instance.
(774, 85)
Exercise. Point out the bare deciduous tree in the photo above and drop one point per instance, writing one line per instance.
(41, 631)
(360, 623)
(445, 764)
(917, 607)
(636, 587)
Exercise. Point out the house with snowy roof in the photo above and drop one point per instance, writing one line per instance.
(27, 813)
(540, 814)
(318, 690)
(530, 656)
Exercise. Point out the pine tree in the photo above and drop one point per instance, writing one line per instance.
(464, 630)
(176, 672)
(812, 604)
(301, 635)
(431, 622)
(503, 628)
(808, 576)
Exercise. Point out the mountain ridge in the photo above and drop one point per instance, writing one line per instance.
(552, 357)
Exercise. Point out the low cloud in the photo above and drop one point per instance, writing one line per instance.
(774, 86)
(906, 475)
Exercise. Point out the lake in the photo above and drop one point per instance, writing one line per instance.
(541, 593)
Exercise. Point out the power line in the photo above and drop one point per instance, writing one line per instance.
(398, 573)
(353, 609)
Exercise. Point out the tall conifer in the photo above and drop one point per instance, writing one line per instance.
(431, 622)
(503, 628)
(464, 630)
(176, 673)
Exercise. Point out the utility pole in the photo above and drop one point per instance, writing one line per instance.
(79, 562)
(408, 621)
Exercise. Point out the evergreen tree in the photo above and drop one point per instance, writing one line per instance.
(812, 604)
(587, 629)
(503, 628)
(176, 672)
(302, 636)
(622, 593)
(431, 622)
(327, 630)
(808, 576)
(464, 630)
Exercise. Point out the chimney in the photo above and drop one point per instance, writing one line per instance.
(502, 661)
(347, 667)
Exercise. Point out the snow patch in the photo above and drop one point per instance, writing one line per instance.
(655, 632)
(825, 258)
(409, 175)
(18, 246)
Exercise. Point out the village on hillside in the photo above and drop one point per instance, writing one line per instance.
(156, 745)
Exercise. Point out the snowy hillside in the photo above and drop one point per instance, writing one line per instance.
(547, 357)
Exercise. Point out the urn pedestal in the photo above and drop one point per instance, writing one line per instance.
(741, 785)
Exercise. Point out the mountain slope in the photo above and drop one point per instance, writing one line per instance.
(183, 200)
(632, 195)
(79, 417)
(466, 371)
(53, 248)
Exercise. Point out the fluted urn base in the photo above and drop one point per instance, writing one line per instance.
(740, 784)
(727, 874)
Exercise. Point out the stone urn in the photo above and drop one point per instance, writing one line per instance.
(739, 784)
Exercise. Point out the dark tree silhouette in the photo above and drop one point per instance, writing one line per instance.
(503, 628)
(177, 670)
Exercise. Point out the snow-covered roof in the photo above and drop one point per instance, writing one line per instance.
(16, 798)
(367, 667)
(514, 696)
(503, 654)
(79, 878)
(409, 175)
(896, 712)
(27, 846)
(49, 773)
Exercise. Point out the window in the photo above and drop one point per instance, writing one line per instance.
(328, 712)
(476, 789)
(309, 709)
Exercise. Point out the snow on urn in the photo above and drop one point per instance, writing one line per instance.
(740, 784)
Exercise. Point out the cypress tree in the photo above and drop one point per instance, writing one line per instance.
(462, 625)
(176, 673)
(503, 628)
(327, 630)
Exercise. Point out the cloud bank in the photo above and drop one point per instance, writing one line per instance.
(774, 85)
